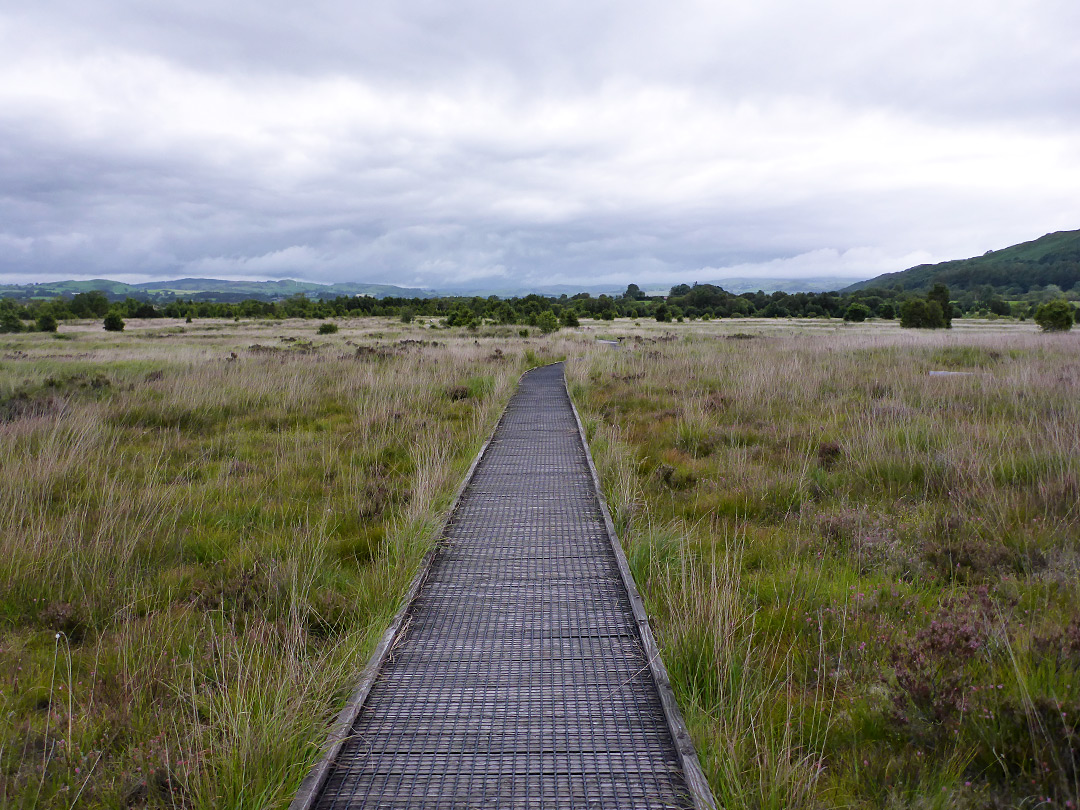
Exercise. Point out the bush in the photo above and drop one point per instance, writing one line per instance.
(917, 313)
(46, 322)
(327, 328)
(547, 322)
(939, 294)
(857, 313)
(1055, 316)
(663, 314)
(113, 322)
(9, 322)
(568, 318)
(407, 315)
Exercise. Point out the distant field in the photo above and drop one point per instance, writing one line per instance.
(864, 578)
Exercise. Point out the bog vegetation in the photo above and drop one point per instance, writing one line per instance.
(864, 578)
(202, 533)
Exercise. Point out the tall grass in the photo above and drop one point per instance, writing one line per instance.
(204, 531)
(864, 578)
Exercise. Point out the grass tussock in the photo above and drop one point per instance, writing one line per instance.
(204, 531)
(864, 578)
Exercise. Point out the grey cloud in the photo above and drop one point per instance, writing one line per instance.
(424, 143)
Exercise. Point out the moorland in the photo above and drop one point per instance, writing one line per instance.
(863, 575)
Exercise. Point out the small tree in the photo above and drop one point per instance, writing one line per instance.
(857, 313)
(917, 313)
(407, 315)
(10, 322)
(940, 293)
(663, 314)
(1055, 316)
(113, 322)
(547, 322)
(327, 328)
(46, 322)
(569, 318)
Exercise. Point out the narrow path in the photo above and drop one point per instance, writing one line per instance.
(518, 678)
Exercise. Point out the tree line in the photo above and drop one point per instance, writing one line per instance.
(683, 302)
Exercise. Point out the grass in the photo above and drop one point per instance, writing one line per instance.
(204, 531)
(864, 579)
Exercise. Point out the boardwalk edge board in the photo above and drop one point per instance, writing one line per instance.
(312, 785)
(684, 745)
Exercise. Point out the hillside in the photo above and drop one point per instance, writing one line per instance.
(1050, 259)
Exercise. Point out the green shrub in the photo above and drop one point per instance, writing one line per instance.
(113, 322)
(547, 322)
(857, 313)
(407, 315)
(939, 294)
(569, 318)
(917, 313)
(327, 328)
(46, 322)
(663, 314)
(9, 322)
(1055, 316)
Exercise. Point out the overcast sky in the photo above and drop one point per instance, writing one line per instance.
(428, 143)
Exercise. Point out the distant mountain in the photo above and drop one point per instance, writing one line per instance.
(210, 289)
(1050, 259)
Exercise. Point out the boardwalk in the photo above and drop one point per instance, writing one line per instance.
(518, 679)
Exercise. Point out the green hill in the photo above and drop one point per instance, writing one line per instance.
(1050, 259)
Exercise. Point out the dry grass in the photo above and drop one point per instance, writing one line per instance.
(203, 531)
(864, 577)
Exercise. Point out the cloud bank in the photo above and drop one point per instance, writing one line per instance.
(424, 144)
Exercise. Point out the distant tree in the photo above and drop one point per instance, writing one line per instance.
(663, 314)
(46, 322)
(113, 322)
(940, 293)
(407, 314)
(1055, 316)
(633, 292)
(10, 322)
(569, 317)
(857, 313)
(917, 313)
(93, 304)
(887, 311)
